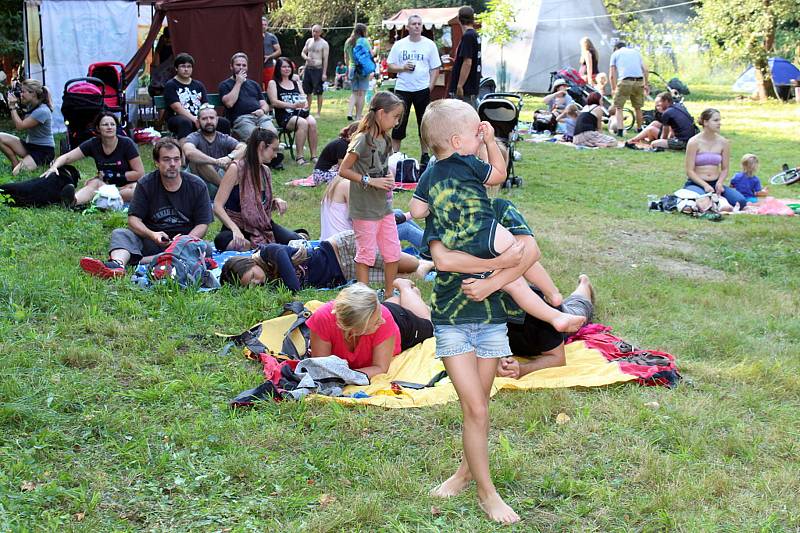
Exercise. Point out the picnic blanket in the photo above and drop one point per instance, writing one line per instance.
(595, 358)
(773, 206)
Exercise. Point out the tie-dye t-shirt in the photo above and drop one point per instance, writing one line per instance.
(510, 218)
(461, 216)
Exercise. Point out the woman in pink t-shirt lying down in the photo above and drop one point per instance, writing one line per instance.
(367, 334)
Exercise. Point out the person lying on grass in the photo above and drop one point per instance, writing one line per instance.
(166, 202)
(367, 334)
(329, 265)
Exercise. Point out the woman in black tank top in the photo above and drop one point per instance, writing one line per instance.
(291, 109)
(587, 125)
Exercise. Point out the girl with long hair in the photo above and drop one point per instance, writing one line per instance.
(366, 166)
(244, 202)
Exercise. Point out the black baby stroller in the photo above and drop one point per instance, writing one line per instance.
(502, 111)
(81, 103)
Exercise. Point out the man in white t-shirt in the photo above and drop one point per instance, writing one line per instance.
(416, 61)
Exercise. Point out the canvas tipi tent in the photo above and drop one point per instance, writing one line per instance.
(549, 33)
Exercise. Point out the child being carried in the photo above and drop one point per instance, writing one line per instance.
(462, 217)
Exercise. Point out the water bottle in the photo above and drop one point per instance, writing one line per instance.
(371, 89)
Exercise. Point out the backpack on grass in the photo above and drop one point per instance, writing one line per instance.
(187, 261)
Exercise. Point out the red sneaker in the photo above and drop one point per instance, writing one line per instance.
(107, 270)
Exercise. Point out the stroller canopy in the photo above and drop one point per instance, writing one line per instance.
(782, 70)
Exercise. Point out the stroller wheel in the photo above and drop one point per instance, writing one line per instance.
(507, 183)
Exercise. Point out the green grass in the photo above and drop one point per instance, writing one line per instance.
(113, 412)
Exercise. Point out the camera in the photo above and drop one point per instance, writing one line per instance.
(16, 90)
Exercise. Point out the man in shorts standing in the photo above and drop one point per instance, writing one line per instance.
(416, 61)
(628, 81)
(315, 54)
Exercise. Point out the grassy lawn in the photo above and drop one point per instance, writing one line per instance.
(113, 401)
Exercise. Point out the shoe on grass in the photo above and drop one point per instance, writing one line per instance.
(104, 270)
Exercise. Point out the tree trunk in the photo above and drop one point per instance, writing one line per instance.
(764, 86)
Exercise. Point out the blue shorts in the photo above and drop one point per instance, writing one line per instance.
(488, 341)
(358, 82)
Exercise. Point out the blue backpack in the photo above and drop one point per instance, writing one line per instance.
(363, 60)
(187, 261)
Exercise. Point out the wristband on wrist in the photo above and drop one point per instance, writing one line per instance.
(365, 181)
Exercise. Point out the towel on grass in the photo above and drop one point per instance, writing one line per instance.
(595, 358)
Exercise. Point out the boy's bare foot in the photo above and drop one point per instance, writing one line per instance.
(498, 510)
(584, 283)
(452, 486)
(555, 299)
(566, 323)
(423, 268)
(17, 169)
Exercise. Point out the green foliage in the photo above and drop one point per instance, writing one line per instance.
(496, 27)
(113, 400)
(496, 22)
(748, 30)
(11, 34)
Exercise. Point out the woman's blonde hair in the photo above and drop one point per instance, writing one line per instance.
(353, 307)
(571, 110)
(40, 91)
(331, 188)
(749, 164)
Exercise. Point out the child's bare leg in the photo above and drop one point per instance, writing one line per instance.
(389, 275)
(472, 378)
(532, 304)
(362, 273)
(539, 277)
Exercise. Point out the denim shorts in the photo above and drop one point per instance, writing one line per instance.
(488, 341)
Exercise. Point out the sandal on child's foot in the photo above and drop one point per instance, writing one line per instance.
(301, 161)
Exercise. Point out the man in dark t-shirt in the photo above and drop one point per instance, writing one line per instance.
(183, 97)
(466, 75)
(244, 102)
(672, 128)
(167, 202)
(209, 151)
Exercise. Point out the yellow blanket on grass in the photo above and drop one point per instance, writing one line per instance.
(586, 367)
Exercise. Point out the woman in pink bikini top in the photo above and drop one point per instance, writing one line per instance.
(708, 159)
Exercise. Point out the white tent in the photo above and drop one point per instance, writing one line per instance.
(63, 37)
(548, 40)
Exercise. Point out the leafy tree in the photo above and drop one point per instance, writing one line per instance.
(11, 35)
(496, 28)
(748, 30)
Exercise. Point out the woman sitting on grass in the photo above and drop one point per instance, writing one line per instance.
(116, 157)
(33, 114)
(367, 334)
(589, 123)
(244, 202)
(329, 265)
(708, 159)
(327, 167)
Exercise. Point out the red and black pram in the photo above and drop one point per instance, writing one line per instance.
(83, 100)
(112, 74)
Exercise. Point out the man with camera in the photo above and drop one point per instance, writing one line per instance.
(244, 103)
(416, 61)
(166, 202)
